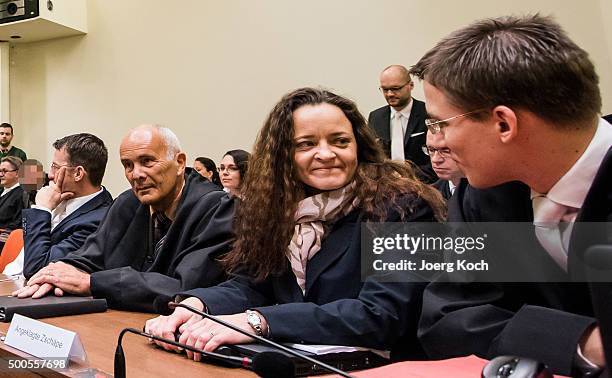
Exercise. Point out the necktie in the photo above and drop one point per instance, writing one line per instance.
(547, 214)
(161, 225)
(397, 137)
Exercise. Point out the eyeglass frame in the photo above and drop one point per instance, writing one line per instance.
(3, 172)
(430, 151)
(394, 89)
(55, 167)
(434, 127)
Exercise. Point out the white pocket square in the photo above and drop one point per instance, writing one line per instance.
(417, 134)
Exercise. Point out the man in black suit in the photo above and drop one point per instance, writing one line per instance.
(445, 167)
(400, 126)
(70, 208)
(509, 117)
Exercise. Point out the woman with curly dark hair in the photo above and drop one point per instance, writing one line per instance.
(316, 173)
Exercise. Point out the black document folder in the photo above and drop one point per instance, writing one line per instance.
(48, 306)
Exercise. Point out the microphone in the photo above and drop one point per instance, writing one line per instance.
(173, 305)
(265, 364)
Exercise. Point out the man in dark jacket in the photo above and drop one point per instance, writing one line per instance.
(71, 207)
(162, 236)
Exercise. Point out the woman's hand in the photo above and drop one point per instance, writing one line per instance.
(208, 335)
(165, 326)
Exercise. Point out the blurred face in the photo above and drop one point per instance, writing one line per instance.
(6, 136)
(31, 176)
(230, 175)
(474, 145)
(445, 167)
(325, 148)
(8, 174)
(201, 169)
(155, 179)
(396, 87)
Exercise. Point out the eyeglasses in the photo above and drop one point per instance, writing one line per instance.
(430, 151)
(55, 167)
(435, 126)
(3, 171)
(229, 168)
(393, 89)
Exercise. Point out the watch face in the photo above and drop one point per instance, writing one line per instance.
(253, 319)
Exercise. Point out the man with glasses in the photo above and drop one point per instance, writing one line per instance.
(516, 99)
(69, 209)
(6, 137)
(400, 126)
(442, 163)
(11, 197)
(162, 236)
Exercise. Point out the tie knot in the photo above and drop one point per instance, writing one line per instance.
(546, 210)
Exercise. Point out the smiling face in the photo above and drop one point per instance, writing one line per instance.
(325, 154)
(155, 179)
(475, 145)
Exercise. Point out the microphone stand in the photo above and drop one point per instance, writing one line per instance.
(263, 340)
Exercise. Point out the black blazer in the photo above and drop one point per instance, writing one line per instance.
(11, 205)
(120, 256)
(380, 121)
(443, 186)
(539, 320)
(337, 308)
(41, 245)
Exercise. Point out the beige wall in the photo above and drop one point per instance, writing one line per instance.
(211, 70)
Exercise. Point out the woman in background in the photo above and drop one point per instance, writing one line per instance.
(297, 255)
(233, 169)
(207, 168)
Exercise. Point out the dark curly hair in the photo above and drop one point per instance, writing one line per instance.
(272, 190)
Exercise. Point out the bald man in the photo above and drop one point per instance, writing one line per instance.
(400, 126)
(161, 237)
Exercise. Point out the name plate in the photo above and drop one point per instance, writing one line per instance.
(44, 340)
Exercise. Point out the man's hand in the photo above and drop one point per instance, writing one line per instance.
(64, 277)
(34, 291)
(52, 195)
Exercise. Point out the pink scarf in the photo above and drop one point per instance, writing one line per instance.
(311, 216)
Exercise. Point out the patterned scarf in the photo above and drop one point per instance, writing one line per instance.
(312, 214)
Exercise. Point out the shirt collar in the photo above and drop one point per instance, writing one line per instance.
(74, 203)
(6, 190)
(405, 111)
(572, 188)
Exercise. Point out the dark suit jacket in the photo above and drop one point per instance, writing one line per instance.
(41, 245)
(380, 121)
(443, 186)
(11, 205)
(121, 259)
(337, 308)
(539, 320)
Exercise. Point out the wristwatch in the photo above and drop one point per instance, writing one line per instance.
(254, 321)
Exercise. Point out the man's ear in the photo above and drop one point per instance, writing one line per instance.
(79, 173)
(506, 123)
(181, 160)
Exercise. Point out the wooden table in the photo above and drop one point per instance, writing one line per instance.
(99, 332)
